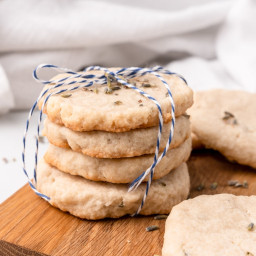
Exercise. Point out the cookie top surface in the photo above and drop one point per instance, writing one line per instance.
(211, 226)
(123, 109)
(115, 145)
(225, 121)
(97, 200)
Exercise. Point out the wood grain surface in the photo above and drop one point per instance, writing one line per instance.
(30, 222)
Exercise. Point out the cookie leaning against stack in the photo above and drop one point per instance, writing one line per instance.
(103, 135)
(234, 131)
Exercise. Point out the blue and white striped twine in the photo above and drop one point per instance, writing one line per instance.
(87, 81)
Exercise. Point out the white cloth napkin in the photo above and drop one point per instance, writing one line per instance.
(219, 35)
(236, 44)
(204, 74)
(235, 63)
(6, 97)
(61, 24)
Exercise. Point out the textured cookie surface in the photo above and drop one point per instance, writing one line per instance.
(225, 121)
(97, 200)
(121, 170)
(212, 226)
(122, 110)
(103, 144)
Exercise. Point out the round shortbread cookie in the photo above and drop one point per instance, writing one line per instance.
(196, 143)
(122, 110)
(212, 226)
(103, 144)
(225, 121)
(121, 170)
(98, 200)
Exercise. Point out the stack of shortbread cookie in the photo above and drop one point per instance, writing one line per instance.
(103, 137)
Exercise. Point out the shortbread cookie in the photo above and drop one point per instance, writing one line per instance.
(121, 170)
(103, 144)
(212, 226)
(225, 121)
(122, 109)
(98, 200)
(196, 143)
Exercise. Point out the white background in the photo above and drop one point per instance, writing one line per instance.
(212, 43)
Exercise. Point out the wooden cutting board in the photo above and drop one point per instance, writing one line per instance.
(30, 226)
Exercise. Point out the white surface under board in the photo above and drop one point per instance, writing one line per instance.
(12, 126)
